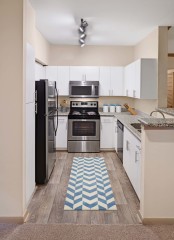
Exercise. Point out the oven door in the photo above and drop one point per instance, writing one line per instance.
(84, 129)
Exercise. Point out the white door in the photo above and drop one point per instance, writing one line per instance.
(107, 133)
(116, 80)
(30, 74)
(63, 81)
(61, 137)
(105, 81)
(30, 150)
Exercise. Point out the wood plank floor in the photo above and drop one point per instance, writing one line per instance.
(47, 204)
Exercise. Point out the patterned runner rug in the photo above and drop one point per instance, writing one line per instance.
(89, 186)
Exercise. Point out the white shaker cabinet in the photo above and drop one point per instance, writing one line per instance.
(107, 132)
(39, 71)
(141, 79)
(84, 73)
(132, 159)
(63, 80)
(52, 73)
(60, 74)
(111, 81)
(61, 137)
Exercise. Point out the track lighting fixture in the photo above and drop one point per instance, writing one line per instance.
(82, 30)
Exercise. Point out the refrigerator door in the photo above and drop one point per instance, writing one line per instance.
(45, 132)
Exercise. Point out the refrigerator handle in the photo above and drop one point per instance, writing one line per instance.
(57, 95)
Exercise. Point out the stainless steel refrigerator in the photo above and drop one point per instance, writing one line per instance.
(46, 105)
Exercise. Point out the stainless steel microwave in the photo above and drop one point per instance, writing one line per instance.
(84, 89)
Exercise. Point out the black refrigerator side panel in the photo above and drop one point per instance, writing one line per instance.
(41, 171)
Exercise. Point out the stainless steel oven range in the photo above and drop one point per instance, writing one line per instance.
(84, 127)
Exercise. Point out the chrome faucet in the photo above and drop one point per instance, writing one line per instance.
(158, 112)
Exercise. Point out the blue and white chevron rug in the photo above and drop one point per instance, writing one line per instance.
(89, 186)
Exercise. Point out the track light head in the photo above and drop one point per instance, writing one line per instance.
(82, 30)
(83, 36)
(82, 45)
(81, 41)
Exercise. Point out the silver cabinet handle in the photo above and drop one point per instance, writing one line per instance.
(127, 145)
(136, 158)
(134, 93)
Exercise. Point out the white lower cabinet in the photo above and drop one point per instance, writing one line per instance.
(106, 132)
(61, 137)
(132, 159)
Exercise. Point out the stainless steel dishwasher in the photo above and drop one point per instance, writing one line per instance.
(119, 146)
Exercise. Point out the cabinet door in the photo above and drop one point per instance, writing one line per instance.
(129, 80)
(128, 152)
(61, 137)
(52, 73)
(30, 74)
(104, 81)
(107, 133)
(91, 73)
(137, 166)
(30, 150)
(137, 81)
(115, 134)
(63, 81)
(116, 81)
(82, 73)
(76, 74)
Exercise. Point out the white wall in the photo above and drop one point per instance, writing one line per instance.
(35, 38)
(12, 150)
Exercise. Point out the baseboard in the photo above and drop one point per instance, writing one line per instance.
(12, 220)
(152, 221)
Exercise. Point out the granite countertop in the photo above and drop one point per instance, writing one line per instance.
(126, 120)
(169, 111)
(157, 122)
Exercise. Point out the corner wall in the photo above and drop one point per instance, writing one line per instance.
(35, 38)
(11, 109)
(147, 48)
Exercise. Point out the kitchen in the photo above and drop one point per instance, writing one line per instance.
(153, 45)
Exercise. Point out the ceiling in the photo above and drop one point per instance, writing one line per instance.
(111, 22)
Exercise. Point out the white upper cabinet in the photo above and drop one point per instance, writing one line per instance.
(111, 81)
(60, 74)
(104, 81)
(30, 74)
(141, 79)
(117, 81)
(63, 81)
(82, 73)
(52, 73)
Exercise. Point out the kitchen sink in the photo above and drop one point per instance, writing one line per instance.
(136, 126)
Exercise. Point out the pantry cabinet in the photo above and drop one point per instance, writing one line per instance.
(60, 74)
(84, 73)
(61, 137)
(106, 132)
(141, 79)
(132, 159)
(111, 81)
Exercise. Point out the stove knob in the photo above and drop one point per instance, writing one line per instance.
(91, 104)
(76, 104)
